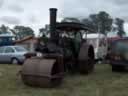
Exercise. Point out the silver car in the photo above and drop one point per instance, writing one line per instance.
(12, 54)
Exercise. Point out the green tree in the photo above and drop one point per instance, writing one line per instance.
(43, 32)
(22, 31)
(105, 22)
(90, 24)
(4, 29)
(94, 21)
(101, 22)
(120, 29)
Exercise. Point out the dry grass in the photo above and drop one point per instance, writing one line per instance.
(102, 82)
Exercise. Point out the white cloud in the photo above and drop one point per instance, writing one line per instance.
(35, 13)
(82, 8)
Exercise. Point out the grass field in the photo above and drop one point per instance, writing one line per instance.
(102, 82)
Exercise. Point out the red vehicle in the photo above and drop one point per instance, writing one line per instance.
(118, 54)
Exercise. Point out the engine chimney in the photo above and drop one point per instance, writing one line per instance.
(53, 32)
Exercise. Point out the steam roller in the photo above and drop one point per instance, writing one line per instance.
(65, 51)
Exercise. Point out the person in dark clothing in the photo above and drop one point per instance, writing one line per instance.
(41, 47)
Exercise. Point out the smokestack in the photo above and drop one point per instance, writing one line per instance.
(53, 33)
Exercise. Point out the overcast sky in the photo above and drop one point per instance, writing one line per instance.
(35, 13)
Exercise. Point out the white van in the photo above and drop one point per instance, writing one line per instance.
(99, 42)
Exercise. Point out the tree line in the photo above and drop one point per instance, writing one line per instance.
(103, 23)
(19, 31)
(100, 22)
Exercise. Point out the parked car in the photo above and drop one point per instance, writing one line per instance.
(12, 54)
(118, 54)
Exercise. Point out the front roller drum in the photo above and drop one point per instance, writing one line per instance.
(39, 72)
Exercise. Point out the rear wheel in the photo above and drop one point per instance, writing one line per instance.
(86, 59)
(15, 61)
(90, 65)
(86, 67)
